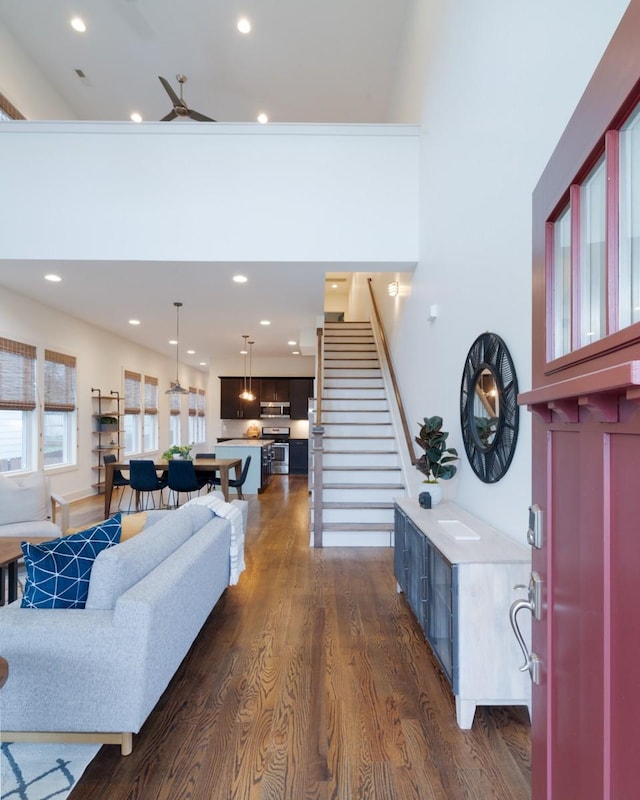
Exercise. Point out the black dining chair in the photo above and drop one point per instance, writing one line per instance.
(183, 478)
(118, 478)
(209, 474)
(236, 483)
(143, 478)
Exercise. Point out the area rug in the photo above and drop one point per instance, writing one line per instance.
(30, 771)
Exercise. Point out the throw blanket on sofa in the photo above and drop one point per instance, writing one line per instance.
(216, 503)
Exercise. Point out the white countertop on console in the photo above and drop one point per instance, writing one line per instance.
(461, 537)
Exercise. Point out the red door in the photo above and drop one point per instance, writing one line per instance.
(586, 443)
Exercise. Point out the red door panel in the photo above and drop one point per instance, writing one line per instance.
(576, 611)
(622, 655)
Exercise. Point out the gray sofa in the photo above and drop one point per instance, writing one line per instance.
(95, 674)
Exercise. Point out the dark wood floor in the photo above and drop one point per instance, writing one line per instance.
(311, 679)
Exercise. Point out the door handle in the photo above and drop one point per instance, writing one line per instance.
(532, 662)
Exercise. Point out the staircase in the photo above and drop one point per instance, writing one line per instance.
(361, 466)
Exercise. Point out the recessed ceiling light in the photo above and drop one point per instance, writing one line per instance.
(265, 322)
(292, 344)
(244, 26)
(172, 341)
(240, 278)
(53, 278)
(296, 352)
(243, 352)
(134, 322)
(263, 118)
(334, 285)
(203, 363)
(191, 352)
(78, 25)
(136, 117)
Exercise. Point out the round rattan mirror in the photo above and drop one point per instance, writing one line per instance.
(489, 411)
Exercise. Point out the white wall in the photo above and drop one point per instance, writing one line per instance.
(276, 193)
(24, 84)
(500, 81)
(101, 361)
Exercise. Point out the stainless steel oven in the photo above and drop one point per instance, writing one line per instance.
(280, 436)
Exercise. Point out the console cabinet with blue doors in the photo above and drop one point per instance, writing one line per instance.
(459, 575)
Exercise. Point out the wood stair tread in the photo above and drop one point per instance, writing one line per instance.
(358, 468)
(346, 505)
(350, 486)
(357, 526)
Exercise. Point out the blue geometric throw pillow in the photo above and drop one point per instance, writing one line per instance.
(58, 571)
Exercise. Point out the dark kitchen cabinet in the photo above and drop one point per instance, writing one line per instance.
(231, 406)
(298, 456)
(300, 390)
(274, 390)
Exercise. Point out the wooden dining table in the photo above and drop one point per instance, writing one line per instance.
(224, 465)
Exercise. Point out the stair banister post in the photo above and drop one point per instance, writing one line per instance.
(317, 433)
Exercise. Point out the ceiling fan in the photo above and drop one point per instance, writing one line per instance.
(180, 108)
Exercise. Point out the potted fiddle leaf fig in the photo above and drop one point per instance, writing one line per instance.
(436, 461)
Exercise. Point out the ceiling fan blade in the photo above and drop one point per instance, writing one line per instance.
(170, 115)
(200, 117)
(168, 89)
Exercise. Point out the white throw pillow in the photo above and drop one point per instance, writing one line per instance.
(23, 499)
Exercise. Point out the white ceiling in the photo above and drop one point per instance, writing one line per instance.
(304, 61)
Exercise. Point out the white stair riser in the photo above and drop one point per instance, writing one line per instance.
(357, 539)
(360, 495)
(348, 405)
(353, 393)
(345, 374)
(341, 475)
(356, 417)
(360, 459)
(358, 515)
(351, 363)
(348, 429)
(357, 443)
(351, 382)
(349, 347)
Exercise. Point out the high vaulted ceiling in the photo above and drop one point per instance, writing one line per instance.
(303, 61)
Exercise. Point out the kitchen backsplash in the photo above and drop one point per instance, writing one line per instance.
(237, 428)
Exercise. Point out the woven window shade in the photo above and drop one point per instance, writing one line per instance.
(132, 381)
(17, 375)
(59, 382)
(174, 402)
(193, 401)
(201, 403)
(150, 395)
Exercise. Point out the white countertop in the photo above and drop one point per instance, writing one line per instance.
(245, 443)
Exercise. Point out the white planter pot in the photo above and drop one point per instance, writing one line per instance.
(435, 490)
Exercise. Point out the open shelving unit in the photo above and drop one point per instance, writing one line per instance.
(105, 440)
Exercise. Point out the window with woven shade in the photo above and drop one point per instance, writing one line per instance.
(193, 414)
(59, 421)
(132, 412)
(17, 404)
(201, 435)
(150, 420)
(175, 422)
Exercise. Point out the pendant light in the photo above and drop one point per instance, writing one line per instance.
(244, 394)
(251, 394)
(176, 388)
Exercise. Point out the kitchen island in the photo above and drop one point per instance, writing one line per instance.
(260, 451)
